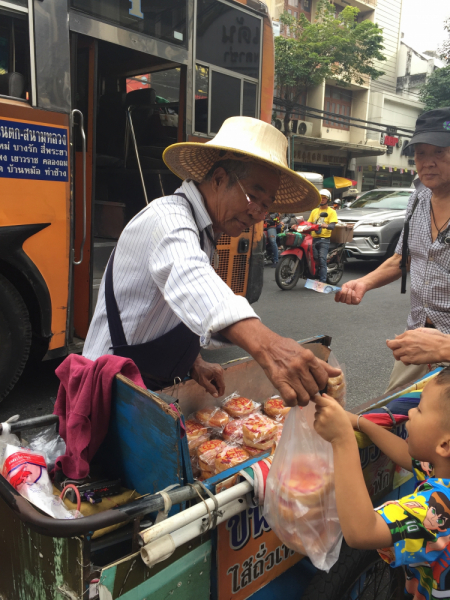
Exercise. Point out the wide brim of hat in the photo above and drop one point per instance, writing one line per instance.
(193, 160)
(435, 138)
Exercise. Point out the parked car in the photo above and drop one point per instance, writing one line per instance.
(378, 217)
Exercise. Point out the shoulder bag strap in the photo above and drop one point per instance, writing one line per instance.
(405, 250)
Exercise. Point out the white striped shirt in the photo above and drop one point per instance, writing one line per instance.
(162, 277)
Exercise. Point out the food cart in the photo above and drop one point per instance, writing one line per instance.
(214, 543)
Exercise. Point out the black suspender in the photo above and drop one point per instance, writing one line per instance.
(405, 250)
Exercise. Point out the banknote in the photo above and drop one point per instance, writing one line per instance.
(322, 288)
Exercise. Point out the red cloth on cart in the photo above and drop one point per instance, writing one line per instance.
(384, 419)
(83, 405)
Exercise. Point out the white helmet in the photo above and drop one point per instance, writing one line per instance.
(325, 193)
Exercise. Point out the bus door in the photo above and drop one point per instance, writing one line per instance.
(84, 66)
(133, 105)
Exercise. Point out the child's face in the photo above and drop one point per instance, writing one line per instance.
(424, 423)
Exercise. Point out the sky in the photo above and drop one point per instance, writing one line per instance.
(422, 23)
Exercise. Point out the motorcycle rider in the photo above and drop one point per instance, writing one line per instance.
(321, 241)
(273, 222)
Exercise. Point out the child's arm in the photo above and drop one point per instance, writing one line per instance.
(361, 525)
(389, 443)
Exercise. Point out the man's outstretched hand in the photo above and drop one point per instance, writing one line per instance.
(421, 346)
(352, 292)
(210, 376)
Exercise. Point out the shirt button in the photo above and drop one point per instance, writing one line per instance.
(427, 282)
(425, 305)
(430, 260)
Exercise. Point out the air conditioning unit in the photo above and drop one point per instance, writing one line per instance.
(301, 127)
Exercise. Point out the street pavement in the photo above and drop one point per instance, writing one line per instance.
(359, 334)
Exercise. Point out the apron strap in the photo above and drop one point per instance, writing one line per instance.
(112, 310)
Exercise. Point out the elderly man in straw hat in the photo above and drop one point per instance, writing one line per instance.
(160, 299)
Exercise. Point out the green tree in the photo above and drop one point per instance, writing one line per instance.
(436, 91)
(338, 47)
(444, 50)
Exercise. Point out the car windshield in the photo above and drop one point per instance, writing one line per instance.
(383, 199)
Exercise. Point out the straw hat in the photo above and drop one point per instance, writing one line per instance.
(244, 138)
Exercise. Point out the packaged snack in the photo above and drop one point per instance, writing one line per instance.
(238, 406)
(276, 408)
(212, 417)
(232, 432)
(207, 453)
(196, 434)
(253, 451)
(259, 431)
(229, 457)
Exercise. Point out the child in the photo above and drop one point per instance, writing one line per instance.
(415, 530)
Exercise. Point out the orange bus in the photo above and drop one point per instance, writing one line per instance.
(91, 92)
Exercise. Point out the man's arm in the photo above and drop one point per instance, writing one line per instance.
(362, 527)
(392, 445)
(296, 373)
(353, 291)
(421, 346)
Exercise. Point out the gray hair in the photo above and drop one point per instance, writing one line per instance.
(240, 169)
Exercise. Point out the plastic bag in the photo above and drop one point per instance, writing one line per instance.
(207, 454)
(275, 408)
(27, 472)
(337, 386)
(237, 406)
(230, 456)
(211, 416)
(259, 432)
(49, 443)
(196, 434)
(300, 502)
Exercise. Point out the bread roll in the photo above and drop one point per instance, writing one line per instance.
(232, 431)
(212, 417)
(196, 434)
(333, 381)
(259, 431)
(207, 453)
(309, 481)
(253, 451)
(239, 406)
(276, 408)
(229, 457)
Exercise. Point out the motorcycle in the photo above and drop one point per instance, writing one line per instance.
(298, 258)
(286, 222)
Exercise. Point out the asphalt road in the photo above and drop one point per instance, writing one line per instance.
(359, 334)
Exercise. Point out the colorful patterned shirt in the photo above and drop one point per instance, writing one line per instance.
(420, 528)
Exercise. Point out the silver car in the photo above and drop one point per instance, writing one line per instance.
(378, 217)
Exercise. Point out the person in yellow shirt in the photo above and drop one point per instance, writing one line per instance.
(321, 242)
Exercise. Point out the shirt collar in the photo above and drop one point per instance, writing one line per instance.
(193, 194)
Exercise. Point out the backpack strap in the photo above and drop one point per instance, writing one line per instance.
(405, 250)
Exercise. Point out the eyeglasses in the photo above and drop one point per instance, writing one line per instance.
(253, 206)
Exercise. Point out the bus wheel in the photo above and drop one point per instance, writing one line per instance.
(15, 336)
(357, 575)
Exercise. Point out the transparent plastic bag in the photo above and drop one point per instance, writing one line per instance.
(49, 443)
(300, 502)
(337, 386)
(275, 408)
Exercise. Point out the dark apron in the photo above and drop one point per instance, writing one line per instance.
(162, 360)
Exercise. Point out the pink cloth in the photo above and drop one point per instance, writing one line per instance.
(83, 405)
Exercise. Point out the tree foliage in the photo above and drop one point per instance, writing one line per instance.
(337, 47)
(444, 50)
(436, 91)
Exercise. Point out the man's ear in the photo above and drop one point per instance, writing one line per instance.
(443, 447)
(219, 177)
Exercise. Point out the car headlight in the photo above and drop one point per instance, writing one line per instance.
(372, 223)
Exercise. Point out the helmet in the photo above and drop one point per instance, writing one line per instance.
(325, 193)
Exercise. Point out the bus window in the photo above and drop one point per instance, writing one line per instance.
(162, 20)
(201, 98)
(14, 55)
(228, 89)
(249, 100)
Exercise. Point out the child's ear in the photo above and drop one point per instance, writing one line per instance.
(443, 448)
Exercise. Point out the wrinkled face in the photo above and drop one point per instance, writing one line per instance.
(228, 207)
(433, 165)
(423, 420)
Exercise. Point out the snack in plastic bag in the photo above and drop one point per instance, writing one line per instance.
(207, 453)
(259, 432)
(276, 408)
(232, 432)
(229, 457)
(253, 451)
(27, 472)
(300, 503)
(196, 434)
(212, 417)
(238, 406)
(336, 386)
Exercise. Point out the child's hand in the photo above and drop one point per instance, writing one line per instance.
(331, 421)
